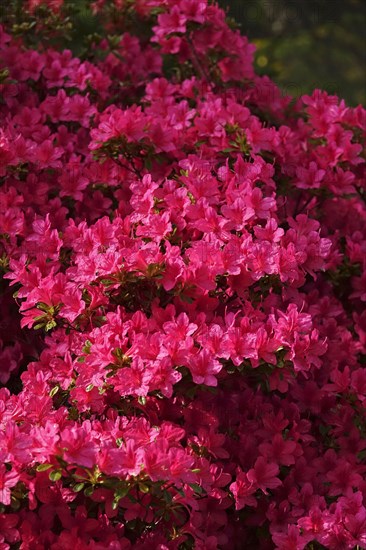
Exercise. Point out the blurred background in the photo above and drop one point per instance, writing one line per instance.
(307, 44)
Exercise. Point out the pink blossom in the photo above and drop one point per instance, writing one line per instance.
(203, 367)
(292, 540)
(243, 491)
(127, 460)
(263, 475)
(8, 479)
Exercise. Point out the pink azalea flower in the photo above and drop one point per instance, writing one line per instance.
(8, 479)
(292, 540)
(203, 367)
(243, 491)
(263, 475)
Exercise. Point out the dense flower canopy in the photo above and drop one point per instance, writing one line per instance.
(183, 323)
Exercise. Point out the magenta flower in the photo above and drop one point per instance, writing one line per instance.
(243, 491)
(263, 475)
(203, 367)
(8, 480)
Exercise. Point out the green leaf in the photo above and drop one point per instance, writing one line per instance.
(148, 166)
(50, 325)
(15, 503)
(87, 346)
(89, 491)
(54, 391)
(144, 488)
(78, 487)
(197, 488)
(42, 306)
(55, 475)
(121, 492)
(43, 467)
(185, 298)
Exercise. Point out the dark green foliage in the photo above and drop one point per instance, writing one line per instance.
(310, 44)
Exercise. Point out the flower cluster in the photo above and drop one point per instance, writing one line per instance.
(183, 278)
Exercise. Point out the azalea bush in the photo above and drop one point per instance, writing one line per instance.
(183, 323)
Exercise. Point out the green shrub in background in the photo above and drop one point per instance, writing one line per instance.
(311, 44)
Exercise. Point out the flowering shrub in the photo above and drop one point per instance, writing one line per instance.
(183, 253)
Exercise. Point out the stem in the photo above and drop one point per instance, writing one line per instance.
(304, 206)
(196, 62)
(122, 165)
